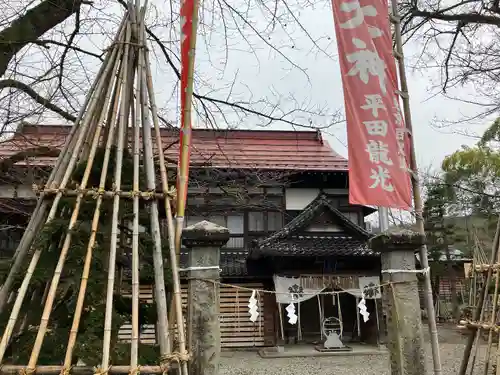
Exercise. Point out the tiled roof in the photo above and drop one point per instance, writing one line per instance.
(260, 149)
(291, 240)
(315, 246)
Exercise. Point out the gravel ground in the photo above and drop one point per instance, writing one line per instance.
(250, 363)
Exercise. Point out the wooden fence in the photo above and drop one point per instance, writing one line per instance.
(237, 331)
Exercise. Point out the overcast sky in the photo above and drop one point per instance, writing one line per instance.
(243, 56)
(265, 72)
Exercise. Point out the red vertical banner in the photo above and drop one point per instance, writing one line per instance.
(376, 133)
(187, 9)
(186, 13)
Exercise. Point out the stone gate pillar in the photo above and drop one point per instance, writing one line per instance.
(401, 300)
(204, 241)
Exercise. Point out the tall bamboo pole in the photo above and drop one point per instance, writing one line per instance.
(96, 101)
(136, 120)
(52, 181)
(81, 136)
(186, 129)
(123, 122)
(170, 223)
(40, 211)
(497, 371)
(91, 129)
(492, 322)
(111, 126)
(74, 217)
(100, 118)
(160, 293)
(479, 311)
(134, 344)
(36, 256)
(110, 119)
(396, 20)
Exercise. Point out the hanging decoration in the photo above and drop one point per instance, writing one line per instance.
(376, 133)
(362, 308)
(292, 317)
(252, 307)
(370, 287)
(291, 289)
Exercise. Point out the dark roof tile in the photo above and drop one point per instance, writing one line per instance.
(291, 240)
(316, 246)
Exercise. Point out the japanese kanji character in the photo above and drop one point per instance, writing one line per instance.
(400, 134)
(367, 63)
(373, 102)
(402, 159)
(397, 113)
(376, 127)
(381, 177)
(379, 152)
(359, 17)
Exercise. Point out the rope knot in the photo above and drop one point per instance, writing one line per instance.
(148, 195)
(170, 193)
(175, 357)
(65, 370)
(115, 189)
(167, 359)
(27, 371)
(135, 370)
(101, 371)
(94, 193)
(80, 191)
(164, 365)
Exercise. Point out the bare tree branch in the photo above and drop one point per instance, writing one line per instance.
(459, 40)
(33, 24)
(464, 18)
(216, 101)
(47, 42)
(36, 97)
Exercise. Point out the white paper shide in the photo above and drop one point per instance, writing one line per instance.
(252, 307)
(292, 317)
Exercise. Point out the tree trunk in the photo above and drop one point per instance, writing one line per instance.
(32, 25)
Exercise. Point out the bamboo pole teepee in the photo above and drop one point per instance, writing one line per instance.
(116, 116)
(477, 324)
